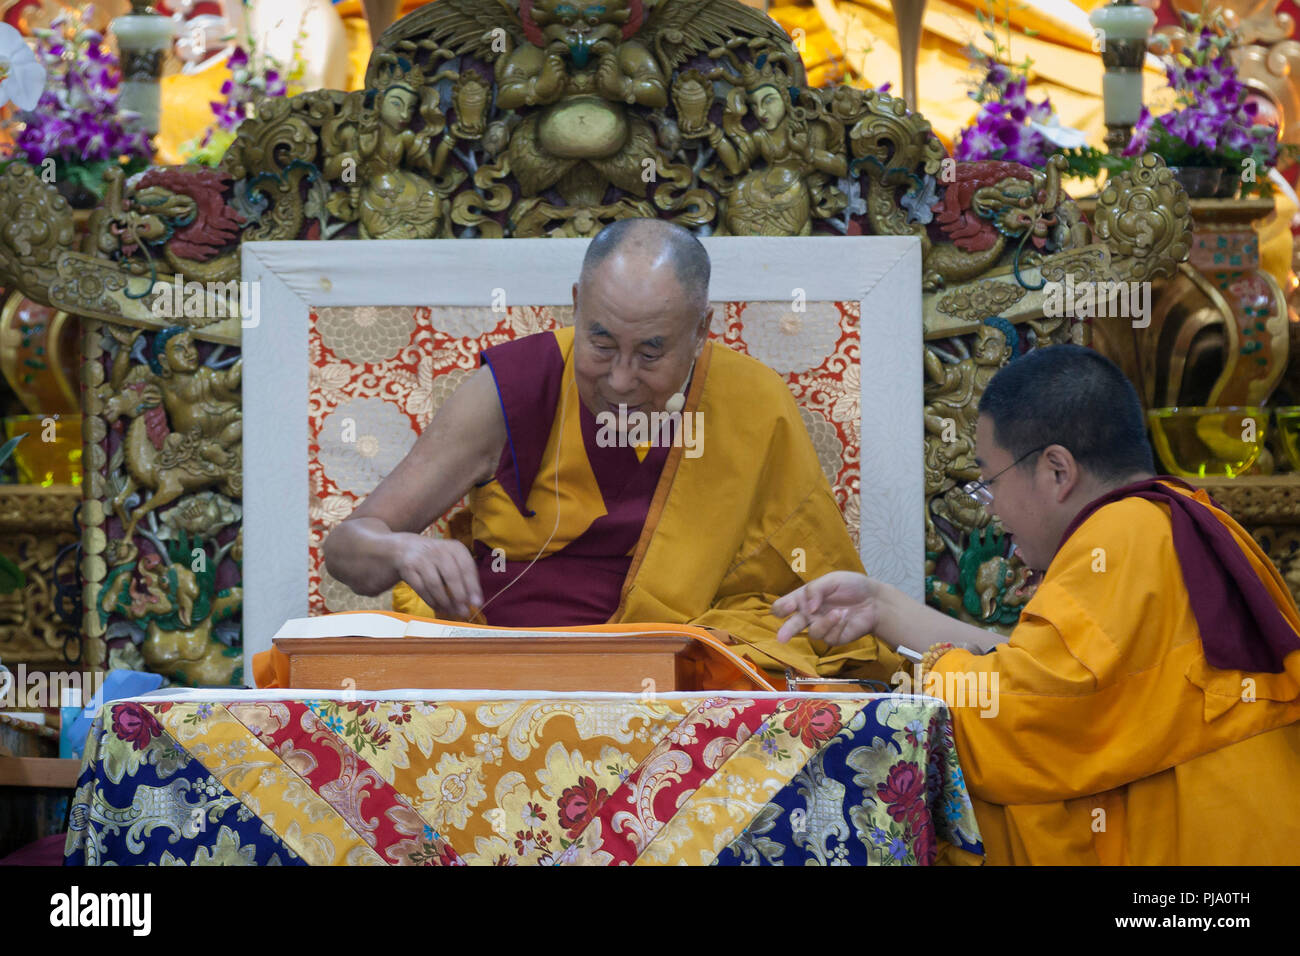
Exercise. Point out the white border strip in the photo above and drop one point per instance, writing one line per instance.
(218, 695)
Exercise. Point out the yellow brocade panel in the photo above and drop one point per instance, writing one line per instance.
(456, 771)
(267, 786)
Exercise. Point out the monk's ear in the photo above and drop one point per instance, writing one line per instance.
(575, 295)
(1064, 470)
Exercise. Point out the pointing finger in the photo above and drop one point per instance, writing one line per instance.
(783, 606)
(796, 623)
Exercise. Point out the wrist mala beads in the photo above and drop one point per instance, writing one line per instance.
(931, 657)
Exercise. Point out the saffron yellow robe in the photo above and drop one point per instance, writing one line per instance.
(1114, 741)
(728, 532)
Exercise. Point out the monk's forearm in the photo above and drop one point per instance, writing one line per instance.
(904, 622)
(362, 553)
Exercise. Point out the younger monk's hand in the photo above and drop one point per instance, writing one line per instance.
(836, 608)
(442, 572)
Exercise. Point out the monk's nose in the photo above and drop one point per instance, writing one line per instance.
(622, 378)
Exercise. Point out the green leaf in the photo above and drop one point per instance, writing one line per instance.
(11, 576)
(1087, 162)
(8, 447)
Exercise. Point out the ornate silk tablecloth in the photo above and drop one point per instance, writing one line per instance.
(457, 777)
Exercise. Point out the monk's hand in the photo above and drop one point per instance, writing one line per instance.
(836, 608)
(442, 572)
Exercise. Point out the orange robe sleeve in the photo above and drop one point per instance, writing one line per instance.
(271, 668)
(1082, 734)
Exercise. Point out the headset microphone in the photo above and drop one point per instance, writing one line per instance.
(677, 400)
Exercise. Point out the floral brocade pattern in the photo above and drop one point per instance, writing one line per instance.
(509, 782)
(377, 376)
(885, 788)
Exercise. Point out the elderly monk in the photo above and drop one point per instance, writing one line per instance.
(1146, 705)
(583, 516)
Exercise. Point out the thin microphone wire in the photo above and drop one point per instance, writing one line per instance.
(559, 450)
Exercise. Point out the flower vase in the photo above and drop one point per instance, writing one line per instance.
(1205, 182)
(1220, 328)
(908, 17)
(77, 195)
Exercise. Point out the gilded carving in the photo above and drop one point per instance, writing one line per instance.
(36, 525)
(979, 299)
(161, 539)
(185, 426)
(1144, 216)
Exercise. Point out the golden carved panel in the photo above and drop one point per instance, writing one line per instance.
(35, 524)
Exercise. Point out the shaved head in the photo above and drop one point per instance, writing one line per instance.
(1076, 397)
(655, 243)
(641, 315)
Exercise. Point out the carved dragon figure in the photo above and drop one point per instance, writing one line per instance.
(987, 204)
(177, 213)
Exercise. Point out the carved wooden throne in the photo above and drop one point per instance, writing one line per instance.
(483, 119)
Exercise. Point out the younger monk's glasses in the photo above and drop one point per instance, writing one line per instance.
(982, 491)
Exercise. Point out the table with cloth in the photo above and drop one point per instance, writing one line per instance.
(261, 777)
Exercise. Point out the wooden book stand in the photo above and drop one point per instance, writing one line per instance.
(654, 661)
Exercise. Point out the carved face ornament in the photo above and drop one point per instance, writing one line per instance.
(182, 356)
(844, 102)
(991, 346)
(133, 228)
(398, 106)
(768, 105)
(581, 26)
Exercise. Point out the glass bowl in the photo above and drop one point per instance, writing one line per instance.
(1287, 420)
(50, 454)
(1208, 442)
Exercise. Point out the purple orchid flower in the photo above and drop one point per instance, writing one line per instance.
(76, 119)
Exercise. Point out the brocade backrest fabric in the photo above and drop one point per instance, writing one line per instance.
(379, 374)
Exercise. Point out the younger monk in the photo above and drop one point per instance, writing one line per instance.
(1146, 705)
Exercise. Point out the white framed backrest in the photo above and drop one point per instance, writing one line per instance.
(882, 274)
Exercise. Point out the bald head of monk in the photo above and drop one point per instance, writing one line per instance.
(1058, 428)
(641, 311)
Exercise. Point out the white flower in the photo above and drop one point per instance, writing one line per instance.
(1067, 137)
(361, 442)
(22, 78)
(790, 341)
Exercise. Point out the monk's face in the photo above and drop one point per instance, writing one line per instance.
(1025, 497)
(636, 335)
